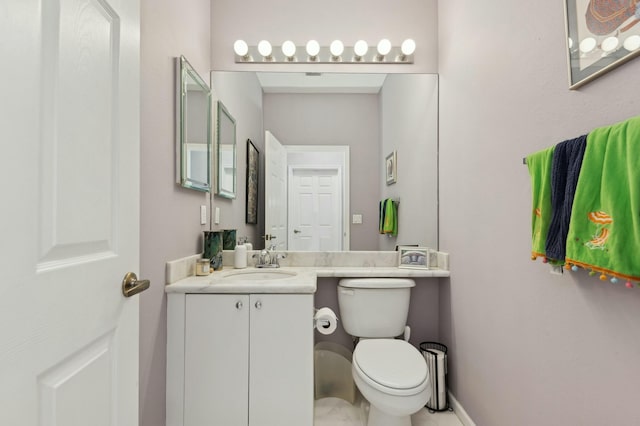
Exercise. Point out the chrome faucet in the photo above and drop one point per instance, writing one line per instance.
(269, 258)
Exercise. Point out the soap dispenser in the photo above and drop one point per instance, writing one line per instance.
(240, 256)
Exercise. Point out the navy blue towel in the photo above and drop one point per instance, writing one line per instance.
(565, 169)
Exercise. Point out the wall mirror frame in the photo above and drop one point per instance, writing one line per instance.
(226, 153)
(193, 128)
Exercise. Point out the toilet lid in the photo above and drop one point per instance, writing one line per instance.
(391, 363)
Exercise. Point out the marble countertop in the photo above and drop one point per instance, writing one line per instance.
(248, 280)
(229, 280)
(377, 271)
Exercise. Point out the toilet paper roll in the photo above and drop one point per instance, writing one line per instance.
(325, 321)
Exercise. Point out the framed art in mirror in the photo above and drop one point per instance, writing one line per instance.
(193, 128)
(410, 257)
(391, 168)
(253, 164)
(601, 35)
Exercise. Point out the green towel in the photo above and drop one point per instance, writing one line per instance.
(539, 165)
(604, 232)
(390, 223)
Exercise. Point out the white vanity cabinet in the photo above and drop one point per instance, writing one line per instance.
(240, 359)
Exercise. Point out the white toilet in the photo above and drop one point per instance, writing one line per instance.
(390, 373)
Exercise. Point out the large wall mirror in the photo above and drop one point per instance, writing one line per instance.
(193, 128)
(373, 115)
(226, 150)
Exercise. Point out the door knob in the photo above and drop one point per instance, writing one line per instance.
(296, 231)
(258, 305)
(238, 305)
(131, 285)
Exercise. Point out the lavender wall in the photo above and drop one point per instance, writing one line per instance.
(527, 347)
(170, 215)
(337, 119)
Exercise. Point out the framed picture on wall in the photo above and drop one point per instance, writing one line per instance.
(391, 168)
(253, 163)
(601, 35)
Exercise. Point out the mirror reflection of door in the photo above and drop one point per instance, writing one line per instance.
(275, 171)
(315, 208)
(306, 196)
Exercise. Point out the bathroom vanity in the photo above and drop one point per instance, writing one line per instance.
(240, 341)
(240, 349)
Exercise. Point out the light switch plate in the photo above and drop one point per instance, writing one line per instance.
(556, 270)
(203, 215)
(357, 219)
(217, 216)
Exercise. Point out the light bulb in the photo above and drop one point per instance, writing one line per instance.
(288, 49)
(313, 48)
(632, 43)
(241, 48)
(587, 45)
(360, 48)
(336, 48)
(384, 47)
(408, 47)
(264, 48)
(610, 44)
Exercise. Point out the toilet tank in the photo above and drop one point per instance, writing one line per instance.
(374, 307)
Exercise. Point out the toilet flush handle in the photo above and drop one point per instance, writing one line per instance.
(407, 333)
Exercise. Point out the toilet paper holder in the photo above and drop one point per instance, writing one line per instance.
(325, 320)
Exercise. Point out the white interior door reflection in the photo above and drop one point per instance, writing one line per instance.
(315, 208)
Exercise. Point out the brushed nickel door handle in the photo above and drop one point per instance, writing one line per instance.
(131, 285)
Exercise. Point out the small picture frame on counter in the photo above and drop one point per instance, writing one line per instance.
(414, 257)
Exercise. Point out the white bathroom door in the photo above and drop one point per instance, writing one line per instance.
(69, 115)
(275, 188)
(315, 209)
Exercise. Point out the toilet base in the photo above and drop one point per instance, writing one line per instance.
(380, 418)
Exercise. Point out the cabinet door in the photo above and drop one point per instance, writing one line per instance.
(281, 359)
(216, 360)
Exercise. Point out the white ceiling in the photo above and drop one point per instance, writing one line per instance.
(289, 82)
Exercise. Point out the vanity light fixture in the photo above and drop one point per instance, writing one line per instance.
(265, 49)
(336, 52)
(242, 49)
(359, 50)
(313, 48)
(384, 47)
(289, 50)
(336, 48)
(406, 49)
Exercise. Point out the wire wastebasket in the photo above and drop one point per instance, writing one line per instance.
(436, 356)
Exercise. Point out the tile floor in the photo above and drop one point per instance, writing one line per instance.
(338, 412)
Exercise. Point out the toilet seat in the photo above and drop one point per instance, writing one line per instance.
(391, 366)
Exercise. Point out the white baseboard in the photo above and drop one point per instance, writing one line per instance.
(459, 410)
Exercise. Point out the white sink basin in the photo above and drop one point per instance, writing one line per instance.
(254, 280)
(259, 275)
